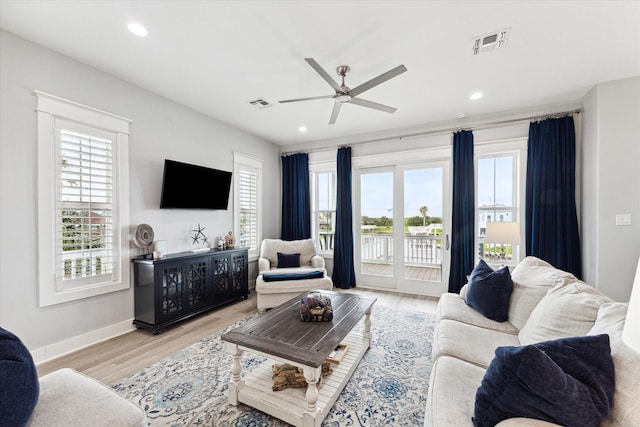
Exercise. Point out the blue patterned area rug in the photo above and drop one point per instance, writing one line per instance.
(389, 386)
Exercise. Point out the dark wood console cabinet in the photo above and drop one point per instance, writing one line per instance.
(185, 284)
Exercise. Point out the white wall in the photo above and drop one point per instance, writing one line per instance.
(611, 157)
(160, 129)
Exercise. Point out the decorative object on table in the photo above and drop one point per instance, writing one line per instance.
(199, 236)
(143, 237)
(338, 353)
(502, 233)
(316, 307)
(221, 243)
(160, 246)
(285, 376)
(229, 241)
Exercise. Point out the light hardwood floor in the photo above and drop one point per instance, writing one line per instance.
(119, 357)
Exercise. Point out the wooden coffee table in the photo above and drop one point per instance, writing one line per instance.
(283, 337)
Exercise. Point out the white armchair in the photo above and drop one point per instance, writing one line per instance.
(272, 293)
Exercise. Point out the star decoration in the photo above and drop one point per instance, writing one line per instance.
(199, 235)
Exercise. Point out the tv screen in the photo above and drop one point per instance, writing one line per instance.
(186, 186)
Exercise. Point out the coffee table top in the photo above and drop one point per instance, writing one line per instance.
(281, 332)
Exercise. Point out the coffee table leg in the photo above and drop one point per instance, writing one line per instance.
(312, 375)
(367, 327)
(236, 369)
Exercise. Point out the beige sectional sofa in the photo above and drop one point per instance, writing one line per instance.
(546, 303)
(273, 293)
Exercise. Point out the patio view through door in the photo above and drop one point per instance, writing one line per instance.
(402, 241)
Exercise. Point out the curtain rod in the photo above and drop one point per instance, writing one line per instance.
(446, 130)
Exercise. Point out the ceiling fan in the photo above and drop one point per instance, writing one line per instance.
(344, 94)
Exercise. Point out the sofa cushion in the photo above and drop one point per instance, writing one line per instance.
(488, 291)
(305, 247)
(453, 307)
(626, 405)
(288, 260)
(19, 387)
(532, 278)
(568, 381)
(467, 342)
(565, 311)
(70, 398)
(452, 389)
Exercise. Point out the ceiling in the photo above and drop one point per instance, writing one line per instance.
(215, 56)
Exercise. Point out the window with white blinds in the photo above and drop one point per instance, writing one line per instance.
(247, 202)
(85, 251)
(83, 201)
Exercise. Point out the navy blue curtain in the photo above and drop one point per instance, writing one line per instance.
(550, 215)
(344, 275)
(463, 210)
(296, 200)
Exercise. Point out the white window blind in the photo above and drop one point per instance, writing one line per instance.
(247, 184)
(248, 191)
(84, 209)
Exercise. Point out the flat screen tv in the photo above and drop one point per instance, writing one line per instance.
(186, 186)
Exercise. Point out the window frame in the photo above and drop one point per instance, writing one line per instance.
(242, 162)
(53, 111)
(516, 148)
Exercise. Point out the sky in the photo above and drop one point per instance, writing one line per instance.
(424, 187)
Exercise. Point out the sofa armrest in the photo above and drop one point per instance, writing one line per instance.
(463, 292)
(317, 261)
(263, 265)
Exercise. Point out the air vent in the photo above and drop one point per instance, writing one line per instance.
(491, 41)
(260, 103)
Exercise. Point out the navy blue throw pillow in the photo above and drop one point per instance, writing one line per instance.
(19, 385)
(569, 381)
(288, 260)
(489, 292)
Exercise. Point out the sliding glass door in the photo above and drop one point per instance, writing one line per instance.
(402, 240)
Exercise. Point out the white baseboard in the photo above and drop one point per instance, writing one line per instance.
(60, 348)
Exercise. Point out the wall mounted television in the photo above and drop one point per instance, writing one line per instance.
(187, 186)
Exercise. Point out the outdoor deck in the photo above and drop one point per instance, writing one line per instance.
(429, 274)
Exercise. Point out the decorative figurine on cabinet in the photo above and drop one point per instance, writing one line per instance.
(221, 243)
(229, 241)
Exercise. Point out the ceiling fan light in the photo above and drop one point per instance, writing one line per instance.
(343, 98)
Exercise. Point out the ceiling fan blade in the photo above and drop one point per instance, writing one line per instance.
(334, 114)
(374, 105)
(324, 74)
(377, 80)
(307, 99)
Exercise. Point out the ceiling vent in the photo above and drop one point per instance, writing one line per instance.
(491, 41)
(260, 103)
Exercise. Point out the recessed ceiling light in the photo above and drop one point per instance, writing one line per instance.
(302, 129)
(476, 95)
(137, 29)
(462, 115)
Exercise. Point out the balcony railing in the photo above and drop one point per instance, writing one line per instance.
(418, 250)
(86, 263)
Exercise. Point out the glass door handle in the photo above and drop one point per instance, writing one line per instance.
(446, 245)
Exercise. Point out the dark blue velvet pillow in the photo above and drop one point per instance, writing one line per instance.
(569, 381)
(489, 292)
(19, 385)
(288, 260)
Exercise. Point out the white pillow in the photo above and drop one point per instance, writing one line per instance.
(626, 405)
(567, 310)
(532, 278)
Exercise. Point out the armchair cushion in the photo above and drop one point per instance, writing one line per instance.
(305, 247)
(288, 260)
(305, 275)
